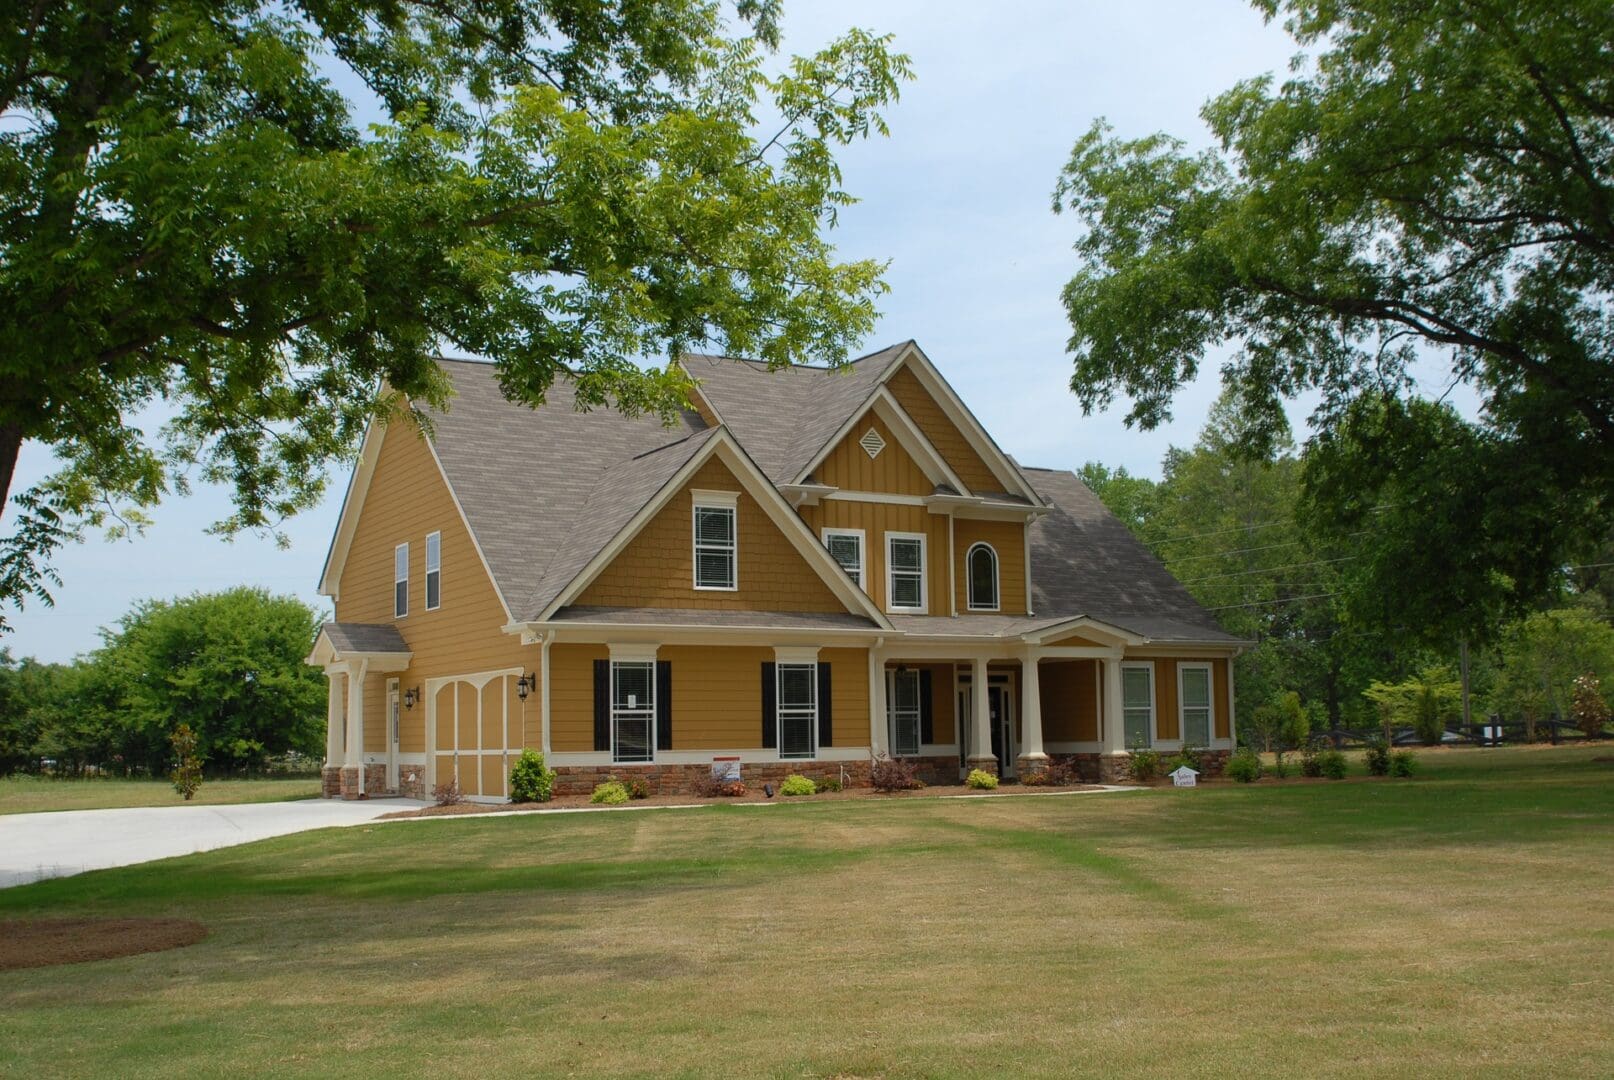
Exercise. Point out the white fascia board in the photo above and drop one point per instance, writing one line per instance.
(911, 439)
(1079, 623)
(358, 485)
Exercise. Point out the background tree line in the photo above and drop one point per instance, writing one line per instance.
(229, 664)
(1233, 526)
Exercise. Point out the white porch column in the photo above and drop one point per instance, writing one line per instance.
(877, 702)
(1031, 708)
(333, 717)
(354, 757)
(1114, 724)
(981, 713)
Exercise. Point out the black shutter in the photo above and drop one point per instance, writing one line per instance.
(770, 707)
(826, 722)
(602, 704)
(663, 704)
(927, 711)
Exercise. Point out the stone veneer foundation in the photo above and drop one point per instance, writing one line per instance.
(682, 779)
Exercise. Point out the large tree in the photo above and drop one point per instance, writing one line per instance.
(1433, 182)
(193, 218)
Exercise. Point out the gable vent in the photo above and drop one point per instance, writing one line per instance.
(872, 443)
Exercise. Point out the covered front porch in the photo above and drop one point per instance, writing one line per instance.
(359, 762)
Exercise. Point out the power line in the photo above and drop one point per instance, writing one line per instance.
(1246, 551)
(1281, 600)
(1269, 569)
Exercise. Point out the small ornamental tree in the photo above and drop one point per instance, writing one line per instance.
(1282, 722)
(187, 774)
(1588, 707)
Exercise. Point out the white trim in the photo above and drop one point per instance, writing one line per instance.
(347, 524)
(708, 500)
(478, 680)
(1210, 700)
(875, 497)
(653, 709)
(862, 552)
(797, 654)
(872, 442)
(633, 653)
(435, 534)
(1154, 706)
(708, 497)
(952, 578)
(924, 573)
(1067, 627)
(398, 549)
(752, 756)
(969, 578)
(1025, 536)
(779, 709)
(885, 405)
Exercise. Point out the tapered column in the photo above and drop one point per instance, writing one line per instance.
(1031, 752)
(878, 707)
(333, 718)
(1114, 762)
(353, 759)
(981, 756)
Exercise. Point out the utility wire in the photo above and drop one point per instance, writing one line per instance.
(1280, 600)
(1269, 569)
(1246, 551)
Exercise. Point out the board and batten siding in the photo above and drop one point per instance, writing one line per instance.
(893, 471)
(943, 434)
(408, 498)
(877, 519)
(656, 568)
(1008, 539)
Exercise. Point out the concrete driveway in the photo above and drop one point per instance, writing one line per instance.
(34, 846)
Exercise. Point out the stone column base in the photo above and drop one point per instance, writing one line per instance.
(350, 781)
(1026, 764)
(330, 782)
(1115, 768)
(985, 764)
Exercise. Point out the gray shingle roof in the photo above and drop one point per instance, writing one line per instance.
(347, 637)
(783, 418)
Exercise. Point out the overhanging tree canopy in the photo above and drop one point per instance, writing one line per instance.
(190, 216)
(1436, 177)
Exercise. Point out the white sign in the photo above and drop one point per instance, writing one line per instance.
(1183, 776)
(726, 769)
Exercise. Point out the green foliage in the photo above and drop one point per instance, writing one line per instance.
(1377, 757)
(1427, 181)
(610, 793)
(798, 785)
(1589, 708)
(637, 787)
(1403, 763)
(1331, 763)
(1540, 658)
(1144, 765)
(1187, 755)
(1426, 703)
(187, 771)
(981, 780)
(828, 783)
(194, 214)
(1244, 766)
(1281, 723)
(531, 780)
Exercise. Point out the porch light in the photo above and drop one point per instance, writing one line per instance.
(526, 685)
(411, 696)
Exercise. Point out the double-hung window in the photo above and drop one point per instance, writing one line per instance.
(1137, 704)
(846, 548)
(981, 565)
(798, 709)
(904, 708)
(400, 581)
(905, 572)
(716, 541)
(1194, 697)
(434, 571)
(633, 710)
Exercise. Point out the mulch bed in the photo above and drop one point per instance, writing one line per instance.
(751, 796)
(30, 943)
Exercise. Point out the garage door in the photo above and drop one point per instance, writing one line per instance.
(477, 721)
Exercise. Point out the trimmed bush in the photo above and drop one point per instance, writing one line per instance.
(798, 785)
(530, 779)
(829, 783)
(1331, 763)
(1403, 763)
(1145, 765)
(637, 787)
(893, 774)
(1378, 757)
(1244, 766)
(981, 780)
(610, 793)
(1311, 762)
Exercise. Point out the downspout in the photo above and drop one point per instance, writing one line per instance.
(543, 691)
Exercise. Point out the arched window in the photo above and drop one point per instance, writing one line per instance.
(982, 566)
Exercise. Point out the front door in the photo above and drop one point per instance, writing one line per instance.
(1000, 700)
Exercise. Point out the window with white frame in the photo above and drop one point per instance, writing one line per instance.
(434, 571)
(633, 710)
(903, 705)
(797, 709)
(1137, 704)
(905, 571)
(400, 581)
(846, 547)
(1194, 703)
(982, 566)
(716, 541)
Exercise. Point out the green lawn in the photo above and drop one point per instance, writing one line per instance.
(1459, 923)
(27, 794)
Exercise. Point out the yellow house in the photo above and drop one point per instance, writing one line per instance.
(812, 567)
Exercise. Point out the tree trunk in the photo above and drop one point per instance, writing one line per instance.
(10, 448)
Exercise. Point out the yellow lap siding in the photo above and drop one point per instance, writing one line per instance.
(571, 696)
(849, 688)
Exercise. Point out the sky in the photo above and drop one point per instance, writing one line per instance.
(957, 198)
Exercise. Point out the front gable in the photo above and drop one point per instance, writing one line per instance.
(656, 567)
(943, 434)
(871, 457)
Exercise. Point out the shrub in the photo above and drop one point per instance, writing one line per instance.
(1034, 778)
(981, 780)
(1331, 763)
(530, 779)
(187, 774)
(448, 794)
(1311, 762)
(610, 793)
(1052, 774)
(1280, 769)
(893, 774)
(1403, 763)
(637, 787)
(1588, 707)
(1244, 766)
(829, 783)
(1378, 757)
(1189, 756)
(709, 786)
(1145, 765)
(798, 785)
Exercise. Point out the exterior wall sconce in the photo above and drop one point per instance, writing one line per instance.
(411, 696)
(526, 685)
